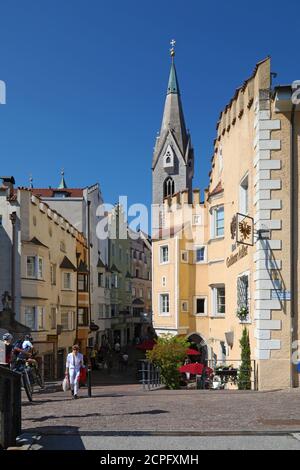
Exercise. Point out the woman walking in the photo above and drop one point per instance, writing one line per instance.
(73, 365)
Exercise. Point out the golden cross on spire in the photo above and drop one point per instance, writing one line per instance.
(172, 50)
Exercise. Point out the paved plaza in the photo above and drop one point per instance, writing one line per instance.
(118, 416)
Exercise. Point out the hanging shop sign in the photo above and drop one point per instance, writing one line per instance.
(234, 258)
(244, 230)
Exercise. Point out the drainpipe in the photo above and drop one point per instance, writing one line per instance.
(13, 218)
(293, 237)
(77, 296)
(89, 260)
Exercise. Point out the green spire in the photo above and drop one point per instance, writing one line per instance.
(173, 86)
(62, 184)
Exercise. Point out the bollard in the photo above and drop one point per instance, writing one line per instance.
(143, 375)
(89, 381)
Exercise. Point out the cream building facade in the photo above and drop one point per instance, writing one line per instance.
(40, 248)
(231, 260)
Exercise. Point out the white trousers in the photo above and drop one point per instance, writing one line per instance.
(74, 380)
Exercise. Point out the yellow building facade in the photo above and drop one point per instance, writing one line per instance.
(231, 260)
(54, 300)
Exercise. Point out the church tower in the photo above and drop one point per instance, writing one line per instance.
(173, 158)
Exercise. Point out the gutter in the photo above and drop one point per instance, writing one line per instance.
(293, 235)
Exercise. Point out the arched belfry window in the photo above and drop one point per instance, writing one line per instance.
(169, 187)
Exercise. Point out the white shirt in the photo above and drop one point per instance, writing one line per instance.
(74, 362)
(27, 345)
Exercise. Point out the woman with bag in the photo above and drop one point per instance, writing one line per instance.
(73, 365)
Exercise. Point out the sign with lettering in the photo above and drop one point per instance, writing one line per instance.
(281, 295)
(234, 258)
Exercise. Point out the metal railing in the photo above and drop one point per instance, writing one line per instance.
(148, 375)
(228, 371)
(10, 407)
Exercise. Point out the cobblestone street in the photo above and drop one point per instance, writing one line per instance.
(126, 408)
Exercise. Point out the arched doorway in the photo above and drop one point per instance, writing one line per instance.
(199, 343)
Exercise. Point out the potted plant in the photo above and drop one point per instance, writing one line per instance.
(242, 313)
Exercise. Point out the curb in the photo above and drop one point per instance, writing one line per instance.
(23, 442)
(287, 432)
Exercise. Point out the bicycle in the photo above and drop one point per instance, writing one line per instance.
(22, 369)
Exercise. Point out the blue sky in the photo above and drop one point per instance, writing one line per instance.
(86, 82)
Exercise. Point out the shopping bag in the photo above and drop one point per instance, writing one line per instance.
(66, 384)
(82, 376)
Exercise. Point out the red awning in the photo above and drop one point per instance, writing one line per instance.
(195, 369)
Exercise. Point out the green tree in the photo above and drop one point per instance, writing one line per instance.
(244, 378)
(168, 355)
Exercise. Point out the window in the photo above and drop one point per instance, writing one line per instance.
(67, 321)
(218, 301)
(101, 311)
(141, 293)
(107, 311)
(107, 281)
(164, 304)
(133, 291)
(40, 268)
(83, 315)
(53, 318)
(244, 195)
(197, 220)
(101, 280)
(34, 318)
(169, 157)
(60, 194)
(137, 273)
(200, 254)
(169, 187)
(149, 294)
(164, 254)
(34, 266)
(82, 283)
(114, 281)
(184, 256)
(220, 158)
(31, 266)
(114, 310)
(217, 222)
(243, 295)
(53, 274)
(67, 281)
(30, 317)
(184, 306)
(200, 306)
(128, 286)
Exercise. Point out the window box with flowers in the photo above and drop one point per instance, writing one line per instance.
(243, 313)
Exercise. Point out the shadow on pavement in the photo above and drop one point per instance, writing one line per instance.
(95, 415)
(50, 438)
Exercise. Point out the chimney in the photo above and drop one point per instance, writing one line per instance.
(8, 182)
